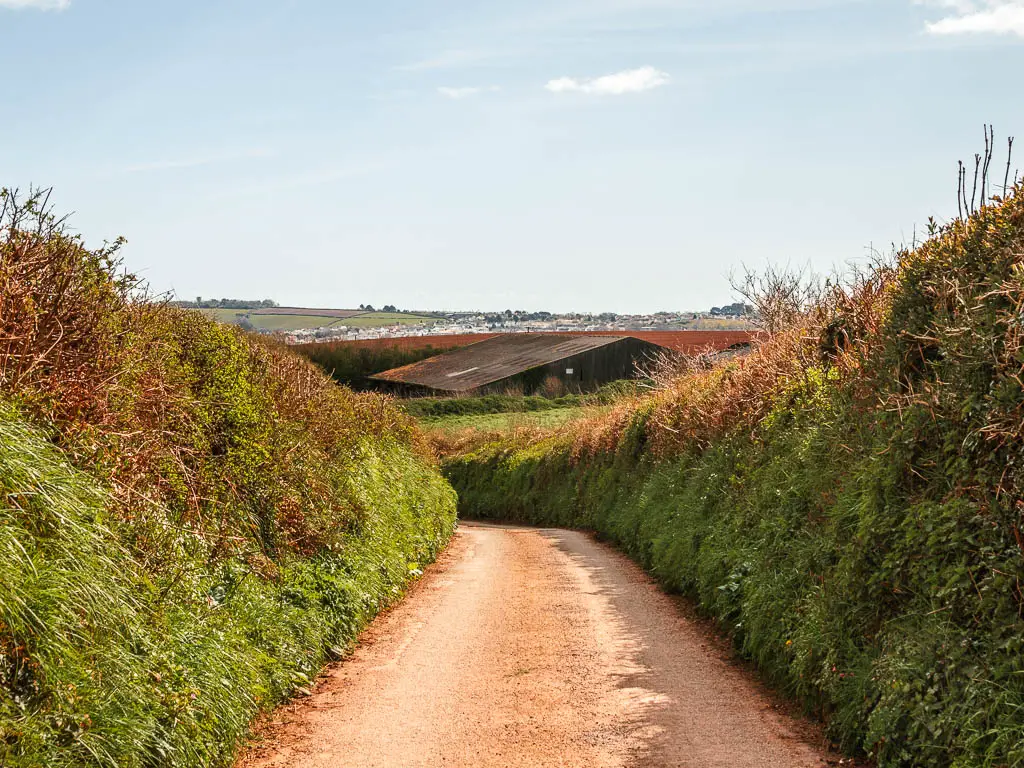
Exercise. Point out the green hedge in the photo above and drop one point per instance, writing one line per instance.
(896, 620)
(192, 519)
(106, 662)
(862, 542)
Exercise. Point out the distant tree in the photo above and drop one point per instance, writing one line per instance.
(739, 309)
(778, 297)
(201, 303)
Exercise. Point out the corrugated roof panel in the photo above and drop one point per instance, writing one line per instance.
(493, 360)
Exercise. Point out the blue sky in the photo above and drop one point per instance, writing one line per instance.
(619, 155)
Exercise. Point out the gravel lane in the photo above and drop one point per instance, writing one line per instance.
(530, 647)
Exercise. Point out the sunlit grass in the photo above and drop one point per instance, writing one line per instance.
(492, 422)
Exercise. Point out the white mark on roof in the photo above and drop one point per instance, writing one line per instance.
(463, 373)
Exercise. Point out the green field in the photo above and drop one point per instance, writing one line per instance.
(271, 322)
(377, 319)
(310, 319)
(494, 422)
(223, 315)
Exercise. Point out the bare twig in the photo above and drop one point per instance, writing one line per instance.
(960, 189)
(974, 189)
(1009, 162)
(990, 145)
(963, 188)
(779, 296)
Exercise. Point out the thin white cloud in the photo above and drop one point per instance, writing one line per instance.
(998, 17)
(43, 5)
(628, 81)
(466, 92)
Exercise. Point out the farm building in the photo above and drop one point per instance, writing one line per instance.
(523, 362)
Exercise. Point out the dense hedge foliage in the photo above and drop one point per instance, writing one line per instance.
(104, 661)
(848, 502)
(191, 520)
(352, 364)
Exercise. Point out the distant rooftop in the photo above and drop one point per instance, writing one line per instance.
(497, 358)
(687, 342)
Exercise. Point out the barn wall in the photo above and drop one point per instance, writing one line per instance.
(590, 370)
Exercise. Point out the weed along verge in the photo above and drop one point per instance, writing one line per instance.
(846, 501)
(192, 520)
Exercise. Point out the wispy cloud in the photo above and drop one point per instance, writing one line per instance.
(1004, 17)
(628, 81)
(197, 161)
(466, 92)
(43, 5)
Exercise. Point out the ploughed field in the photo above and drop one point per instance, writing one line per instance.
(530, 647)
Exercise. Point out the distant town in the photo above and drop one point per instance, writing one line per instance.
(299, 325)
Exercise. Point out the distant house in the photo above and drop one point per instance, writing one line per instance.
(523, 362)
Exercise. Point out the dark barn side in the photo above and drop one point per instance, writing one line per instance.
(583, 372)
(523, 363)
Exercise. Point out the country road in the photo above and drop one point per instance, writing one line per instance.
(528, 647)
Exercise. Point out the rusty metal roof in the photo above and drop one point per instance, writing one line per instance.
(486, 362)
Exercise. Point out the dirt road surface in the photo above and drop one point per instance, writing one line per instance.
(527, 647)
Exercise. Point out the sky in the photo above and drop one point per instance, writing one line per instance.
(559, 155)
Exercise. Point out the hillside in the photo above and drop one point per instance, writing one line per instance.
(192, 519)
(286, 319)
(845, 502)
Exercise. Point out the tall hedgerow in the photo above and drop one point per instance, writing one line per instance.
(192, 520)
(847, 500)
